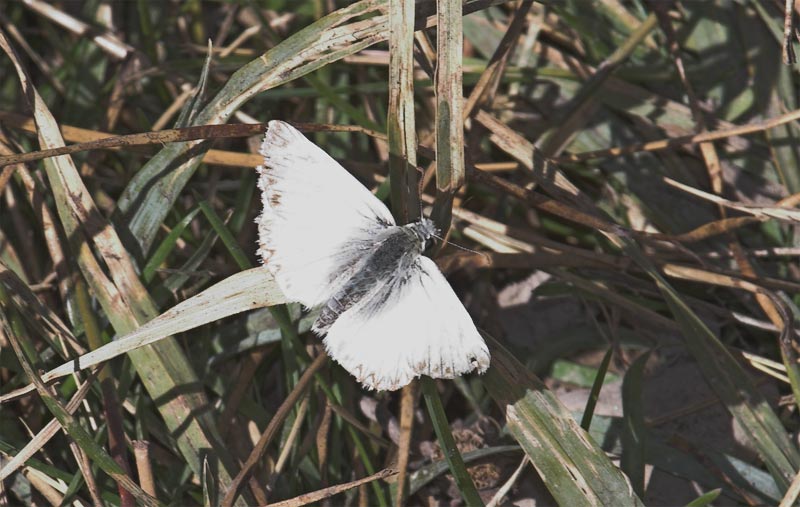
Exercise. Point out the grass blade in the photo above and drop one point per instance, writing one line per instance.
(448, 444)
(594, 394)
(401, 127)
(705, 498)
(225, 235)
(634, 435)
(574, 469)
(166, 246)
(449, 110)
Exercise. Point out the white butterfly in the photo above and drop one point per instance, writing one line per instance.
(388, 313)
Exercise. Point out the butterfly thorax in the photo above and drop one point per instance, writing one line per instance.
(380, 273)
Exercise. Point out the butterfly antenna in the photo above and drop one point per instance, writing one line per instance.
(461, 247)
(420, 191)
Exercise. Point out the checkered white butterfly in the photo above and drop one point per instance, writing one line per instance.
(388, 314)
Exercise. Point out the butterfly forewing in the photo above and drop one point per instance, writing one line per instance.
(318, 220)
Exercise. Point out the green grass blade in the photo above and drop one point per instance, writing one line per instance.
(225, 235)
(573, 467)
(634, 435)
(582, 105)
(594, 394)
(442, 428)
(166, 246)
(705, 498)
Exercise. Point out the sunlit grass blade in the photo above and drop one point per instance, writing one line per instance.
(403, 178)
(449, 110)
(401, 125)
(574, 469)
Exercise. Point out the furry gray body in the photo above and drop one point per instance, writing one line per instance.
(378, 274)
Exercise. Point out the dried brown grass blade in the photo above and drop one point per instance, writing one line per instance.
(322, 494)
(762, 212)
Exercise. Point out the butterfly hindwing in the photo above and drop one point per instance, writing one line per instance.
(318, 220)
(416, 326)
